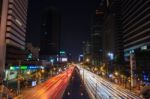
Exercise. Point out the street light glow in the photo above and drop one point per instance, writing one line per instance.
(116, 73)
(43, 71)
(111, 55)
(87, 60)
(28, 72)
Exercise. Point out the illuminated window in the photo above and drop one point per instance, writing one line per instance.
(144, 47)
(18, 22)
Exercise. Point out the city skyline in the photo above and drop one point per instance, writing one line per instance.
(72, 14)
(74, 49)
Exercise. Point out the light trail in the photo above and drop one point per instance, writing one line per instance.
(99, 88)
(52, 88)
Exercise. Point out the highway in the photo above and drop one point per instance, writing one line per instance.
(52, 88)
(99, 88)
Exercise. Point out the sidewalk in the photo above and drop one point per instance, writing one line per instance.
(4, 91)
(18, 97)
(23, 91)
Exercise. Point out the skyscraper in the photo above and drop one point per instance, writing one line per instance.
(12, 31)
(87, 51)
(136, 25)
(50, 34)
(136, 35)
(96, 36)
(112, 35)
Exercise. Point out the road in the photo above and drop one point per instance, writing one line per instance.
(99, 88)
(51, 89)
(76, 88)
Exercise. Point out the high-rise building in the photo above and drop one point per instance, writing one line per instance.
(50, 34)
(112, 34)
(136, 35)
(136, 25)
(96, 36)
(32, 52)
(13, 16)
(87, 53)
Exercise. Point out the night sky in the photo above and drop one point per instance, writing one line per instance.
(75, 22)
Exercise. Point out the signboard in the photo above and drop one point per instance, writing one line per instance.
(33, 83)
(23, 67)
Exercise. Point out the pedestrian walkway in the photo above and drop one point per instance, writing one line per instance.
(5, 92)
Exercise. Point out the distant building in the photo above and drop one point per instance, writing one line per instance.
(96, 36)
(63, 58)
(50, 34)
(32, 52)
(13, 16)
(112, 30)
(87, 52)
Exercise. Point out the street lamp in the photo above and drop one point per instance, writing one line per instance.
(116, 73)
(87, 60)
(110, 59)
(117, 76)
(43, 71)
(18, 78)
(111, 56)
(28, 72)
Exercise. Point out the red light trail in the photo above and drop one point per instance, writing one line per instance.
(52, 88)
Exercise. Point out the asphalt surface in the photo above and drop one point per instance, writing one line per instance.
(53, 88)
(76, 88)
(100, 88)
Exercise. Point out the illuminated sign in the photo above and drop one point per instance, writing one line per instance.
(23, 67)
(62, 52)
(64, 59)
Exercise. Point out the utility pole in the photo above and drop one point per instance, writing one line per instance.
(18, 80)
(132, 67)
(83, 75)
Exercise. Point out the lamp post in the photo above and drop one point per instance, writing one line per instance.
(18, 78)
(83, 73)
(117, 77)
(132, 67)
(87, 60)
(110, 59)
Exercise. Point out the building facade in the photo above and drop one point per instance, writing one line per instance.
(136, 25)
(113, 34)
(136, 34)
(32, 52)
(87, 51)
(50, 34)
(96, 36)
(12, 31)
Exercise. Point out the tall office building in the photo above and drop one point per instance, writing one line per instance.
(109, 30)
(50, 34)
(136, 25)
(136, 34)
(87, 51)
(112, 30)
(13, 16)
(96, 36)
